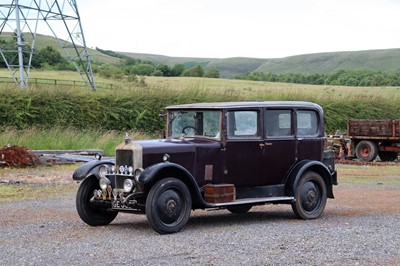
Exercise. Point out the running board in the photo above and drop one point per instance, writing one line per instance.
(252, 201)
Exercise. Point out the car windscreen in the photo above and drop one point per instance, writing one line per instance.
(194, 123)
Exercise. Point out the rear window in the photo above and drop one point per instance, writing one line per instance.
(307, 123)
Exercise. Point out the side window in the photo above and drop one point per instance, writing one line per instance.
(307, 123)
(278, 123)
(242, 124)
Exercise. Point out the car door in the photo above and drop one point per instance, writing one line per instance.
(244, 150)
(280, 153)
(310, 139)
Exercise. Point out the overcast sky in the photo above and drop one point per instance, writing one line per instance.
(246, 28)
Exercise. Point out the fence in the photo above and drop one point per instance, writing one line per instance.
(55, 82)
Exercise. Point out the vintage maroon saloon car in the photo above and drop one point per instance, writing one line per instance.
(229, 155)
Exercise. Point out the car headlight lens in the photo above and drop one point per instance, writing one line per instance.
(128, 185)
(103, 170)
(121, 169)
(104, 183)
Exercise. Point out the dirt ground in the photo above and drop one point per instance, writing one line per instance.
(361, 189)
(360, 225)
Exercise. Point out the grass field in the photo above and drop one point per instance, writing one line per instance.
(340, 104)
(248, 89)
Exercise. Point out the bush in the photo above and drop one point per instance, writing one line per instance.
(138, 109)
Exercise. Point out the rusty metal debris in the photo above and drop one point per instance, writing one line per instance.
(51, 157)
(16, 156)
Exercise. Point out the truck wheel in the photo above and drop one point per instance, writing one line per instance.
(89, 213)
(310, 196)
(239, 209)
(168, 206)
(366, 151)
(388, 156)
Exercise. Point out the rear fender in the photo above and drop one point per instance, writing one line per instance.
(308, 165)
(90, 168)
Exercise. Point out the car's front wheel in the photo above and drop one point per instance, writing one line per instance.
(87, 210)
(168, 206)
(310, 196)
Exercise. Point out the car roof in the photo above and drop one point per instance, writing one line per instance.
(248, 104)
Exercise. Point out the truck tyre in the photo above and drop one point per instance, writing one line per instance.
(168, 206)
(88, 211)
(366, 151)
(310, 196)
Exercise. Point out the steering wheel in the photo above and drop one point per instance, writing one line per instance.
(194, 129)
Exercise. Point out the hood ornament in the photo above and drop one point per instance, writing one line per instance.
(127, 138)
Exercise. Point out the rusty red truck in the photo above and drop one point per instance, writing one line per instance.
(371, 138)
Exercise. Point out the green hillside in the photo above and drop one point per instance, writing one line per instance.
(320, 63)
(323, 63)
(44, 40)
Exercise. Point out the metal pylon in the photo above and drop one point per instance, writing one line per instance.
(19, 22)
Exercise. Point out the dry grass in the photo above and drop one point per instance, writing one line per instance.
(369, 175)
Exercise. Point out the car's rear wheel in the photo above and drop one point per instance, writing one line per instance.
(87, 210)
(168, 206)
(310, 196)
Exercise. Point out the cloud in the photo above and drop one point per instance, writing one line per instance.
(253, 28)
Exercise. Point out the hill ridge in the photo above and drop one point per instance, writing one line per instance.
(315, 63)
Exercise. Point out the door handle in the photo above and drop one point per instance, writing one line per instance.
(262, 145)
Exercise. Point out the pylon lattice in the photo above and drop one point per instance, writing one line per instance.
(21, 19)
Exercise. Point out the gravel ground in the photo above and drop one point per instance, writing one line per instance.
(354, 230)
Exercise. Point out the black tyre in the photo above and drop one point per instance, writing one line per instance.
(366, 151)
(388, 156)
(89, 213)
(168, 206)
(239, 209)
(310, 196)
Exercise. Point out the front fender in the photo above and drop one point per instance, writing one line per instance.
(89, 168)
(309, 165)
(156, 172)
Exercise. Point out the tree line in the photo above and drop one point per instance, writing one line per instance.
(129, 66)
(361, 78)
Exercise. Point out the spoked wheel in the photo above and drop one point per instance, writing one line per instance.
(168, 206)
(310, 196)
(88, 211)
